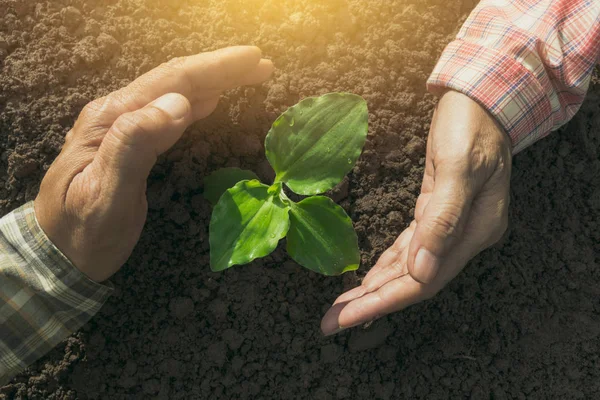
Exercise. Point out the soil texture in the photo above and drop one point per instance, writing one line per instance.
(522, 321)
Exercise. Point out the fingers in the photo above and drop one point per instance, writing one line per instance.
(261, 72)
(440, 223)
(390, 266)
(132, 144)
(200, 78)
(389, 291)
(462, 203)
(392, 263)
(389, 288)
(395, 295)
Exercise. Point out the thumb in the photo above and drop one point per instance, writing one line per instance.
(440, 225)
(132, 144)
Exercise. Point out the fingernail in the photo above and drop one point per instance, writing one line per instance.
(173, 104)
(333, 331)
(329, 324)
(426, 266)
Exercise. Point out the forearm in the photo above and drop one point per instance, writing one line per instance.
(43, 297)
(528, 63)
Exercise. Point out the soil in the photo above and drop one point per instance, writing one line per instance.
(522, 321)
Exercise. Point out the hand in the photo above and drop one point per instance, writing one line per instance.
(462, 209)
(92, 202)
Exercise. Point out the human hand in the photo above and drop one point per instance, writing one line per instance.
(92, 202)
(462, 209)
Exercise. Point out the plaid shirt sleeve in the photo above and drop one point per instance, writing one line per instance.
(528, 62)
(43, 297)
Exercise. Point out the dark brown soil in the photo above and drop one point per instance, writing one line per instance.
(522, 321)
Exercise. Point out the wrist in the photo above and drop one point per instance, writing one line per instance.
(50, 228)
(466, 137)
(477, 119)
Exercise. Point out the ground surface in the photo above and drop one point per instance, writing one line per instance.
(522, 321)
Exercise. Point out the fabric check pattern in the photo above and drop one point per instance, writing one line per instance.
(528, 62)
(43, 297)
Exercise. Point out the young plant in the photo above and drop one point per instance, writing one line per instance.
(311, 147)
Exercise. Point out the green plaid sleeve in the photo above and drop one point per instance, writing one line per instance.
(43, 297)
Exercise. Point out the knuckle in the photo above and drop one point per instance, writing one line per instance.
(396, 247)
(93, 107)
(161, 117)
(397, 266)
(177, 66)
(413, 225)
(133, 127)
(129, 128)
(99, 106)
(444, 223)
(478, 160)
(69, 136)
(219, 68)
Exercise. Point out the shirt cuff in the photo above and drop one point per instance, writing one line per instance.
(502, 85)
(43, 297)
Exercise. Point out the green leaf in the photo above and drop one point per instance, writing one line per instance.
(315, 143)
(321, 237)
(247, 223)
(219, 181)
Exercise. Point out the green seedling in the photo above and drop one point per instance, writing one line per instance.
(311, 147)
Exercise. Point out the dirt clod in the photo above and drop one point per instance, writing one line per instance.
(181, 307)
(371, 337)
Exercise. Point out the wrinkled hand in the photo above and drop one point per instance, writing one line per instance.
(92, 202)
(462, 209)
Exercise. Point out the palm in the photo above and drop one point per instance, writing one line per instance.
(127, 212)
(461, 210)
(92, 201)
(387, 287)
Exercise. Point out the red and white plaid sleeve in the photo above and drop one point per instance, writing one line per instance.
(529, 62)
